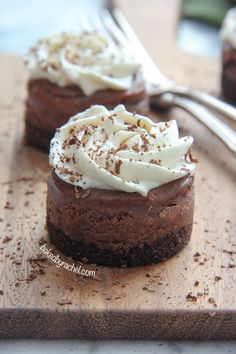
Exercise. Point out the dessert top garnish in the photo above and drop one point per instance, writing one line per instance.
(228, 29)
(88, 60)
(119, 150)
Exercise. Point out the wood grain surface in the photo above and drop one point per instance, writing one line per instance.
(191, 296)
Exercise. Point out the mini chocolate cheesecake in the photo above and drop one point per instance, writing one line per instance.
(228, 75)
(69, 73)
(116, 228)
(48, 106)
(228, 72)
(121, 191)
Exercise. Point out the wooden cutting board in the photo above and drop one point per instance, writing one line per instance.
(191, 296)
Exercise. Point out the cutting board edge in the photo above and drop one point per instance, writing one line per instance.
(215, 324)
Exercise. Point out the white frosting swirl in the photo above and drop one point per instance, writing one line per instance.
(87, 60)
(228, 29)
(118, 150)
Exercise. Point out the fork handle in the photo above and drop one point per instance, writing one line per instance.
(219, 128)
(201, 97)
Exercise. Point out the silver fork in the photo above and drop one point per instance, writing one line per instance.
(163, 91)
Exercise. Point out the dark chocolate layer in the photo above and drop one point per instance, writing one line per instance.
(92, 223)
(143, 254)
(228, 75)
(48, 106)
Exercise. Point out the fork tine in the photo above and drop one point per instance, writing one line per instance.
(83, 22)
(151, 70)
(98, 25)
(113, 29)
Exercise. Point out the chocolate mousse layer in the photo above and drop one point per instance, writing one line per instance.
(49, 106)
(228, 75)
(116, 228)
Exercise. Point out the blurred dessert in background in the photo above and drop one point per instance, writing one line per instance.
(228, 74)
(71, 72)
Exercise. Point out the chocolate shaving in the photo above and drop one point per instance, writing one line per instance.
(145, 142)
(135, 147)
(73, 140)
(7, 239)
(211, 300)
(229, 252)
(122, 147)
(191, 297)
(8, 206)
(117, 166)
(155, 162)
(62, 303)
(190, 156)
(132, 127)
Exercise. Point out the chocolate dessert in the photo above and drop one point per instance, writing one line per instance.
(228, 73)
(70, 73)
(121, 189)
(49, 106)
(228, 76)
(117, 228)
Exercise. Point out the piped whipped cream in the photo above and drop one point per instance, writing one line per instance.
(119, 150)
(87, 60)
(228, 29)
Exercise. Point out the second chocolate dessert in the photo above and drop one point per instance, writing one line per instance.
(69, 73)
(228, 74)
